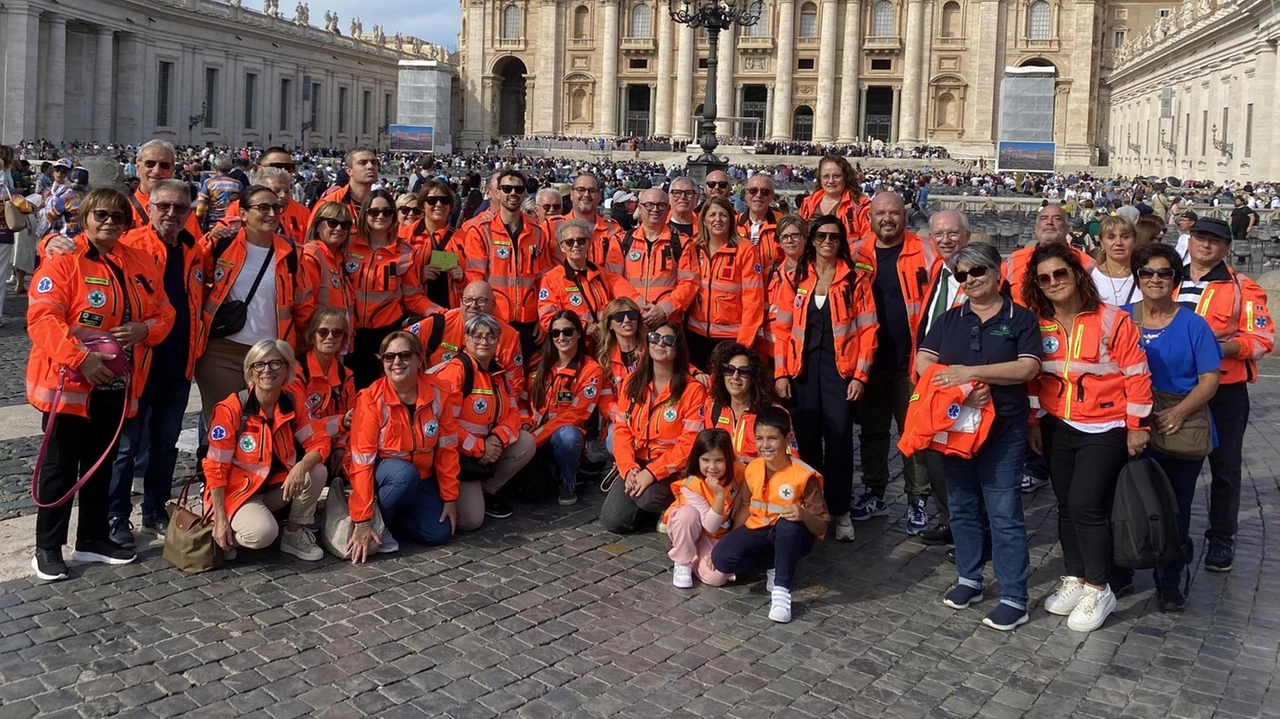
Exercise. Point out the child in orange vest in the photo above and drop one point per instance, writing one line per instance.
(706, 501)
(784, 516)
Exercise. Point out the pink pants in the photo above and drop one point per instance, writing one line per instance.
(691, 545)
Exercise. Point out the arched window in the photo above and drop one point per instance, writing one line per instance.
(951, 19)
(802, 124)
(578, 105)
(641, 21)
(511, 23)
(947, 115)
(760, 29)
(1038, 20)
(808, 20)
(882, 19)
(581, 20)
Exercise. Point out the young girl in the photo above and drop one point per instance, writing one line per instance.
(706, 502)
(777, 524)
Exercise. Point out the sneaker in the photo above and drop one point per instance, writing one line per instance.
(157, 522)
(497, 508)
(1064, 600)
(389, 543)
(769, 575)
(1170, 599)
(937, 536)
(301, 544)
(682, 576)
(102, 552)
(867, 506)
(1031, 483)
(568, 495)
(961, 596)
(917, 520)
(662, 526)
(1218, 559)
(844, 529)
(49, 565)
(780, 605)
(1093, 609)
(1006, 617)
(120, 531)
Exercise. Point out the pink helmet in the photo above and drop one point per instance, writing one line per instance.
(103, 343)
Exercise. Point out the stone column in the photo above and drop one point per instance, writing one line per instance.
(662, 104)
(986, 79)
(895, 133)
(850, 65)
(909, 111)
(477, 115)
(827, 49)
(130, 115)
(1266, 137)
(1078, 150)
(543, 110)
(609, 76)
(724, 84)
(862, 113)
(54, 83)
(785, 70)
(103, 84)
(680, 127)
(21, 76)
(768, 116)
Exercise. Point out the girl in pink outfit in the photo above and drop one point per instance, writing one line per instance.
(706, 501)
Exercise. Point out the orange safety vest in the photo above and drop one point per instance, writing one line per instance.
(853, 320)
(1016, 267)
(1236, 310)
(741, 430)
(386, 284)
(918, 264)
(511, 265)
(1096, 374)
(145, 240)
(585, 292)
(572, 395)
(328, 394)
(934, 417)
(220, 276)
(770, 495)
(381, 428)
(730, 300)
(768, 248)
(657, 272)
(658, 432)
(81, 290)
(487, 406)
(244, 443)
(442, 340)
(854, 215)
(321, 283)
(698, 485)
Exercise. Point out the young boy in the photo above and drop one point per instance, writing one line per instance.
(786, 513)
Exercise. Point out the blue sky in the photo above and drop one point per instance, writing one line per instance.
(436, 21)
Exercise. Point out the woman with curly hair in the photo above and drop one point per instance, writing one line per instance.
(740, 387)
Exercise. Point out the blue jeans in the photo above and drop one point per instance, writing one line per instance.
(779, 547)
(151, 436)
(409, 503)
(992, 478)
(566, 447)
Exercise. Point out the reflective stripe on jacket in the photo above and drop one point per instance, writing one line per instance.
(585, 292)
(321, 283)
(571, 396)
(1236, 311)
(770, 495)
(510, 265)
(1015, 268)
(452, 342)
(918, 264)
(730, 299)
(329, 395)
(699, 486)
(855, 215)
(937, 418)
(767, 247)
(491, 408)
(386, 283)
(853, 319)
(658, 432)
(654, 273)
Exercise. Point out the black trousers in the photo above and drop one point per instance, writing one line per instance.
(1083, 469)
(937, 480)
(74, 445)
(529, 344)
(1230, 408)
(363, 360)
(779, 547)
(700, 348)
(823, 422)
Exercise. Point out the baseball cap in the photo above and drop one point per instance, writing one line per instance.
(1189, 215)
(64, 162)
(1212, 226)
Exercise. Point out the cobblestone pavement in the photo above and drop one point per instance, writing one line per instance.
(547, 615)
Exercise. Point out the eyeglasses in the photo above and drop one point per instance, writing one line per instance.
(946, 235)
(325, 333)
(975, 339)
(1164, 273)
(268, 208)
(655, 206)
(411, 211)
(566, 333)
(434, 200)
(729, 370)
(625, 316)
(176, 208)
(586, 190)
(717, 185)
(829, 178)
(574, 241)
(963, 276)
(683, 193)
(791, 237)
(336, 224)
(487, 338)
(821, 238)
(401, 357)
(660, 340)
(753, 191)
(1061, 274)
(512, 189)
(101, 216)
(476, 302)
(151, 164)
(274, 364)
(380, 212)
(286, 166)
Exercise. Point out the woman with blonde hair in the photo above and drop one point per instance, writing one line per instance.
(321, 281)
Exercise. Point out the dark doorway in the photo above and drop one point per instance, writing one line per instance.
(755, 104)
(638, 115)
(879, 117)
(802, 124)
(511, 96)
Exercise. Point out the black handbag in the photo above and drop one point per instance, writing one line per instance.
(473, 470)
(232, 314)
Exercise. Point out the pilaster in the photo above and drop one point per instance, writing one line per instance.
(827, 48)
(785, 71)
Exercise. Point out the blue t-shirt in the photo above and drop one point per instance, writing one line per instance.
(1178, 353)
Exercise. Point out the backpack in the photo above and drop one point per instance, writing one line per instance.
(1144, 518)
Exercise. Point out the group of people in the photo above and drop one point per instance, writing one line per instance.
(720, 359)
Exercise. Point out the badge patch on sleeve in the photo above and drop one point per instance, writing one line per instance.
(218, 433)
(44, 286)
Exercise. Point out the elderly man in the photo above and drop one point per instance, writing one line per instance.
(547, 204)
(156, 160)
(1052, 225)
(760, 222)
(655, 263)
(362, 167)
(684, 201)
(586, 207)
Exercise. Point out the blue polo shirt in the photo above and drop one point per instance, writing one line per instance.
(959, 337)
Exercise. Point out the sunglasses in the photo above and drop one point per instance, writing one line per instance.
(626, 316)
(61, 169)
(566, 333)
(512, 189)
(325, 333)
(336, 224)
(717, 185)
(1061, 274)
(118, 218)
(730, 370)
(380, 212)
(1164, 273)
(411, 211)
(963, 276)
(660, 340)
(826, 238)
(437, 200)
(286, 166)
(975, 339)
(268, 208)
(175, 207)
(551, 208)
(759, 191)
(574, 241)
(393, 357)
(274, 364)
(149, 164)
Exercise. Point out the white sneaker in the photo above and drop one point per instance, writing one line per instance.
(1094, 608)
(682, 577)
(389, 543)
(844, 528)
(301, 544)
(780, 607)
(769, 574)
(1065, 599)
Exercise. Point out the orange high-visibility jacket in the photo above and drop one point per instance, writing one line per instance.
(572, 395)
(700, 486)
(442, 340)
(770, 495)
(220, 276)
(82, 290)
(730, 301)
(586, 292)
(294, 219)
(932, 414)
(244, 443)
(329, 395)
(768, 248)
(853, 319)
(779, 273)
(1097, 373)
(386, 283)
(490, 408)
(341, 193)
(1236, 310)
(1015, 268)
(655, 273)
(321, 283)
(138, 201)
(918, 265)
(381, 428)
(617, 373)
(854, 215)
(510, 264)
(741, 430)
(145, 240)
(658, 432)
(424, 242)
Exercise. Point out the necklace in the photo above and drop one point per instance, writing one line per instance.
(1115, 289)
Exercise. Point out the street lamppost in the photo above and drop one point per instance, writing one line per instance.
(714, 15)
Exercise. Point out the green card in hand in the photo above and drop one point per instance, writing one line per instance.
(443, 260)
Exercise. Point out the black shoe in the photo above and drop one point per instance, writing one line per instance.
(1170, 599)
(937, 536)
(121, 531)
(1218, 559)
(49, 565)
(102, 552)
(568, 495)
(986, 554)
(497, 508)
(157, 522)
(1122, 587)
